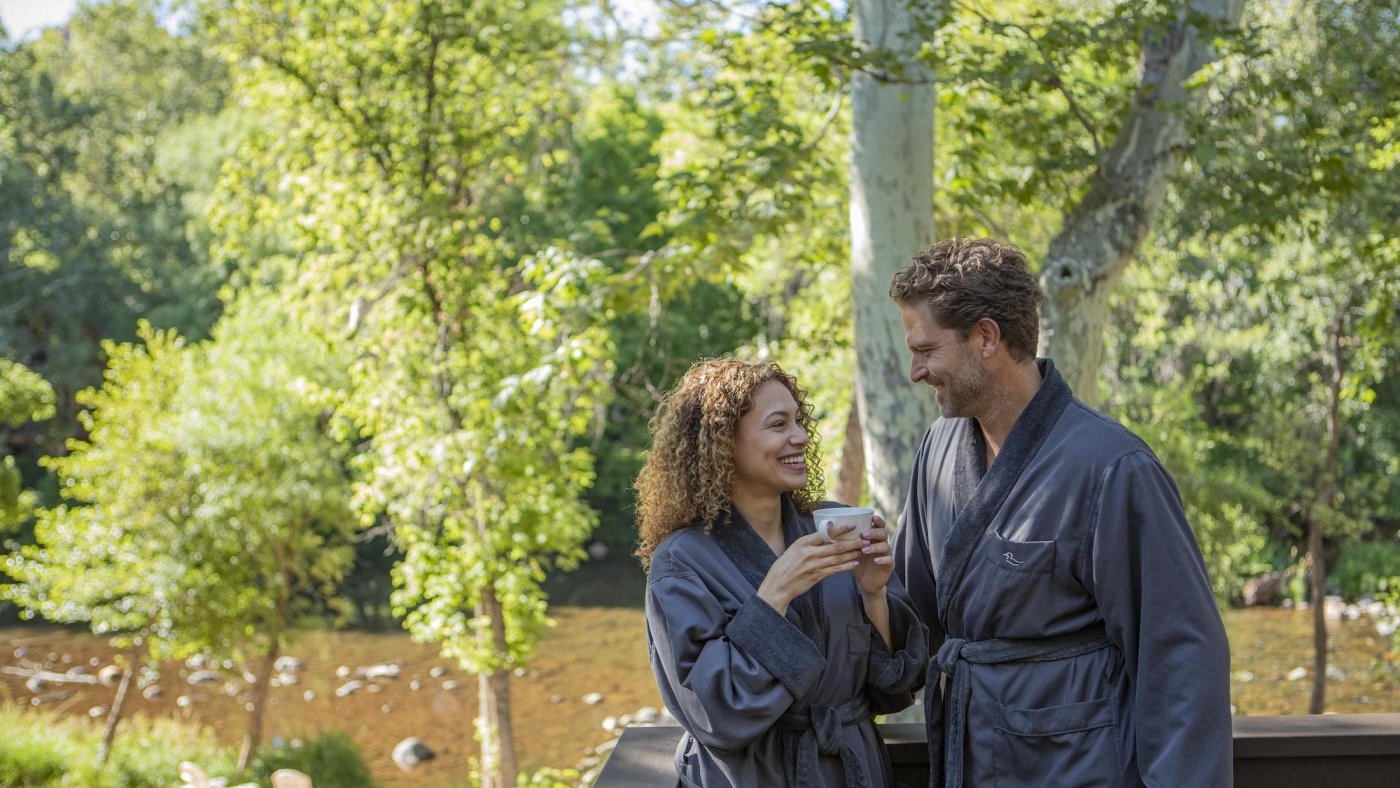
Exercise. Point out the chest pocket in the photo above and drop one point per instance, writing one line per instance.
(1031, 557)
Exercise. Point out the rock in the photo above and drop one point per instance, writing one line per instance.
(35, 684)
(1335, 673)
(521, 673)
(593, 698)
(384, 670)
(308, 696)
(610, 724)
(22, 652)
(438, 672)
(348, 688)
(1245, 676)
(1297, 674)
(152, 692)
(250, 677)
(415, 685)
(109, 675)
(625, 720)
(97, 711)
(647, 715)
(450, 685)
(374, 688)
(288, 664)
(343, 672)
(556, 698)
(184, 701)
(285, 678)
(1263, 590)
(203, 677)
(94, 662)
(1332, 607)
(606, 746)
(198, 662)
(386, 708)
(410, 752)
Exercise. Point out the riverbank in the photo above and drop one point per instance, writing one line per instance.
(598, 647)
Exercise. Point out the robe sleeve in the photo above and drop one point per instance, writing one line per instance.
(893, 678)
(1146, 572)
(730, 678)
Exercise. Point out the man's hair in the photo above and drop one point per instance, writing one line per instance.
(963, 280)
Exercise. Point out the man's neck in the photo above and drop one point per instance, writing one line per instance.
(1009, 401)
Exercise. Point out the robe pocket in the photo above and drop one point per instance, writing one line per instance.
(858, 638)
(1076, 742)
(1020, 556)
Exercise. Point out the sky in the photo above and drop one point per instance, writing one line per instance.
(23, 18)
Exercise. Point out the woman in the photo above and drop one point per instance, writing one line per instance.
(772, 649)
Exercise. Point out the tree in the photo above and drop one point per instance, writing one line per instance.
(411, 165)
(205, 503)
(1105, 229)
(891, 219)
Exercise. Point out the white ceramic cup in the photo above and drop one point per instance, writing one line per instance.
(828, 519)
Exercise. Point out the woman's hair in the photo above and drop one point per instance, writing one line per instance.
(689, 472)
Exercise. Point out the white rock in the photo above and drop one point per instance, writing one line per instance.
(109, 675)
(343, 671)
(97, 711)
(286, 678)
(610, 724)
(384, 670)
(438, 672)
(450, 685)
(308, 696)
(410, 752)
(287, 663)
(593, 698)
(647, 715)
(203, 677)
(152, 692)
(348, 688)
(1335, 673)
(1297, 674)
(1245, 676)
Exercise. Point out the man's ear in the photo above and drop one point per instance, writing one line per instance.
(986, 337)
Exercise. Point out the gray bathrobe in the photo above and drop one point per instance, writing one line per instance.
(766, 700)
(1080, 642)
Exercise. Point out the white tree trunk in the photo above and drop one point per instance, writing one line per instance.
(1103, 232)
(891, 219)
(498, 765)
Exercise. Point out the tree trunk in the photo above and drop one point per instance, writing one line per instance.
(1327, 493)
(255, 721)
(109, 733)
(1103, 233)
(891, 219)
(852, 470)
(498, 764)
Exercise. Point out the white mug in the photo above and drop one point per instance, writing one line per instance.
(826, 519)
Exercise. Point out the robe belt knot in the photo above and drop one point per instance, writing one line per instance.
(950, 724)
(817, 731)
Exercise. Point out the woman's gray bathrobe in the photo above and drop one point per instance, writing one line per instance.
(769, 700)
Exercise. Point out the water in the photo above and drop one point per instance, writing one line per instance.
(600, 646)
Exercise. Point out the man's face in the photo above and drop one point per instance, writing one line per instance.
(943, 359)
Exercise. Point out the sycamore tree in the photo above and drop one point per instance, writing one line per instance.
(206, 505)
(407, 158)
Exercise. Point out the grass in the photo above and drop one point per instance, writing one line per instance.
(42, 748)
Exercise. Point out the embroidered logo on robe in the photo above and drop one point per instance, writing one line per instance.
(1011, 559)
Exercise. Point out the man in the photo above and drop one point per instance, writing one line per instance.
(1047, 551)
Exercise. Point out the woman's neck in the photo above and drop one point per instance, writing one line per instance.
(764, 514)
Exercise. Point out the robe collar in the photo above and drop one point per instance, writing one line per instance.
(753, 558)
(978, 497)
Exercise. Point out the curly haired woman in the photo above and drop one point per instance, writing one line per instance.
(772, 648)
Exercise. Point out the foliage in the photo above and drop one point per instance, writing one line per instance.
(1367, 568)
(329, 757)
(48, 748)
(207, 499)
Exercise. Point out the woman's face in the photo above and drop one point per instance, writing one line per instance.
(769, 446)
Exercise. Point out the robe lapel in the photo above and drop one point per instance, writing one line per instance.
(753, 558)
(979, 497)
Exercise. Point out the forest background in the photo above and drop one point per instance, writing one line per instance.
(357, 309)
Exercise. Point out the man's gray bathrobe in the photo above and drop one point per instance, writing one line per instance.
(1080, 642)
(768, 700)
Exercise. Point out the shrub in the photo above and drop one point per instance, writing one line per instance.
(330, 758)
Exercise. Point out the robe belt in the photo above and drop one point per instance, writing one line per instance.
(818, 731)
(993, 651)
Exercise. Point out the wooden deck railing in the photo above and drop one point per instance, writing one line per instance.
(1317, 751)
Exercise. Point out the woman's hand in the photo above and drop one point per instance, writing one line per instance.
(806, 562)
(876, 562)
